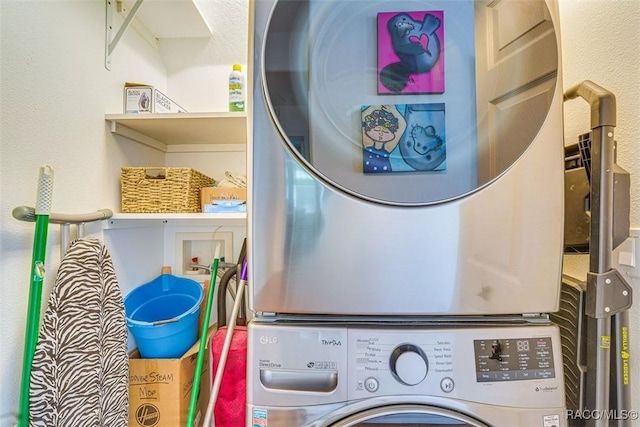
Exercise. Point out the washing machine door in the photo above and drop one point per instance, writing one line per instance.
(363, 101)
(408, 415)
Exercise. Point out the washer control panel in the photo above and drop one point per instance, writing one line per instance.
(505, 365)
(514, 359)
(387, 361)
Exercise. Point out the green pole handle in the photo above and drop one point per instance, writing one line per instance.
(43, 208)
(203, 340)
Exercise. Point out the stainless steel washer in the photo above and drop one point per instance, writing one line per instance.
(371, 374)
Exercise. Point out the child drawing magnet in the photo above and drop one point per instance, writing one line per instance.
(403, 138)
(411, 52)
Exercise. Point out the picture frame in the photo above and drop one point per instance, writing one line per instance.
(403, 138)
(410, 49)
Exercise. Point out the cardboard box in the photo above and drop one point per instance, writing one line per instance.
(160, 389)
(209, 194)
(140, 98)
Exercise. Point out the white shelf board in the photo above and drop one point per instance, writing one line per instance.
(169, 132)
(166, 19)
(130, 220)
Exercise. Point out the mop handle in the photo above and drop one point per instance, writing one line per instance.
(203, 338)
(43, 207)
(208, 415)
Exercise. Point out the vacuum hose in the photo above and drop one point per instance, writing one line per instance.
(221, 303)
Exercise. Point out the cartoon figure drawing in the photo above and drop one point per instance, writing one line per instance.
(422, 147)
(403, 138)
(382, 128)
(416, 45)
(425, 140)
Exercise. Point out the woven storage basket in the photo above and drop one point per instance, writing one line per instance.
(162, 189)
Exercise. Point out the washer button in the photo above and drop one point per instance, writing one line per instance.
(447, 385)
(371, 384)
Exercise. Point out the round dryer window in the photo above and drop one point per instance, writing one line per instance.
(409, 102)
(408, 415)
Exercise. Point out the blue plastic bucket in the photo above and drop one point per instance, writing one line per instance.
(162, 316)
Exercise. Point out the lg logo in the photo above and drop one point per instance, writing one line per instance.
(268, 340)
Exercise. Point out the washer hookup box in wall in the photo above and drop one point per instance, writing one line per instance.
(140, 98)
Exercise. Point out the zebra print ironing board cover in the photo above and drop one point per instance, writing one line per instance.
(80, 367)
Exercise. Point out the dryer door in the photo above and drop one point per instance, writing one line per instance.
(367, 197)
(357, 92)
(408, 415)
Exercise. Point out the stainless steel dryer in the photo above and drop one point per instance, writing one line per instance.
(339, 374)
(454, 206)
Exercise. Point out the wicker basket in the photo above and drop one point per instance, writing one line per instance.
(162, 189)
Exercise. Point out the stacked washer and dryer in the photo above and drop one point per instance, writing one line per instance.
(405, 277)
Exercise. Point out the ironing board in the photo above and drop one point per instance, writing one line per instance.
(80, 368)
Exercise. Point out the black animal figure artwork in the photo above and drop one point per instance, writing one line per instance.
(415, 47)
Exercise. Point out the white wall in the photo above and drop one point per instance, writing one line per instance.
(55, 92)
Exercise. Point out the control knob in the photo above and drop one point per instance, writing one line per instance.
(409, 365)
(496, 351)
